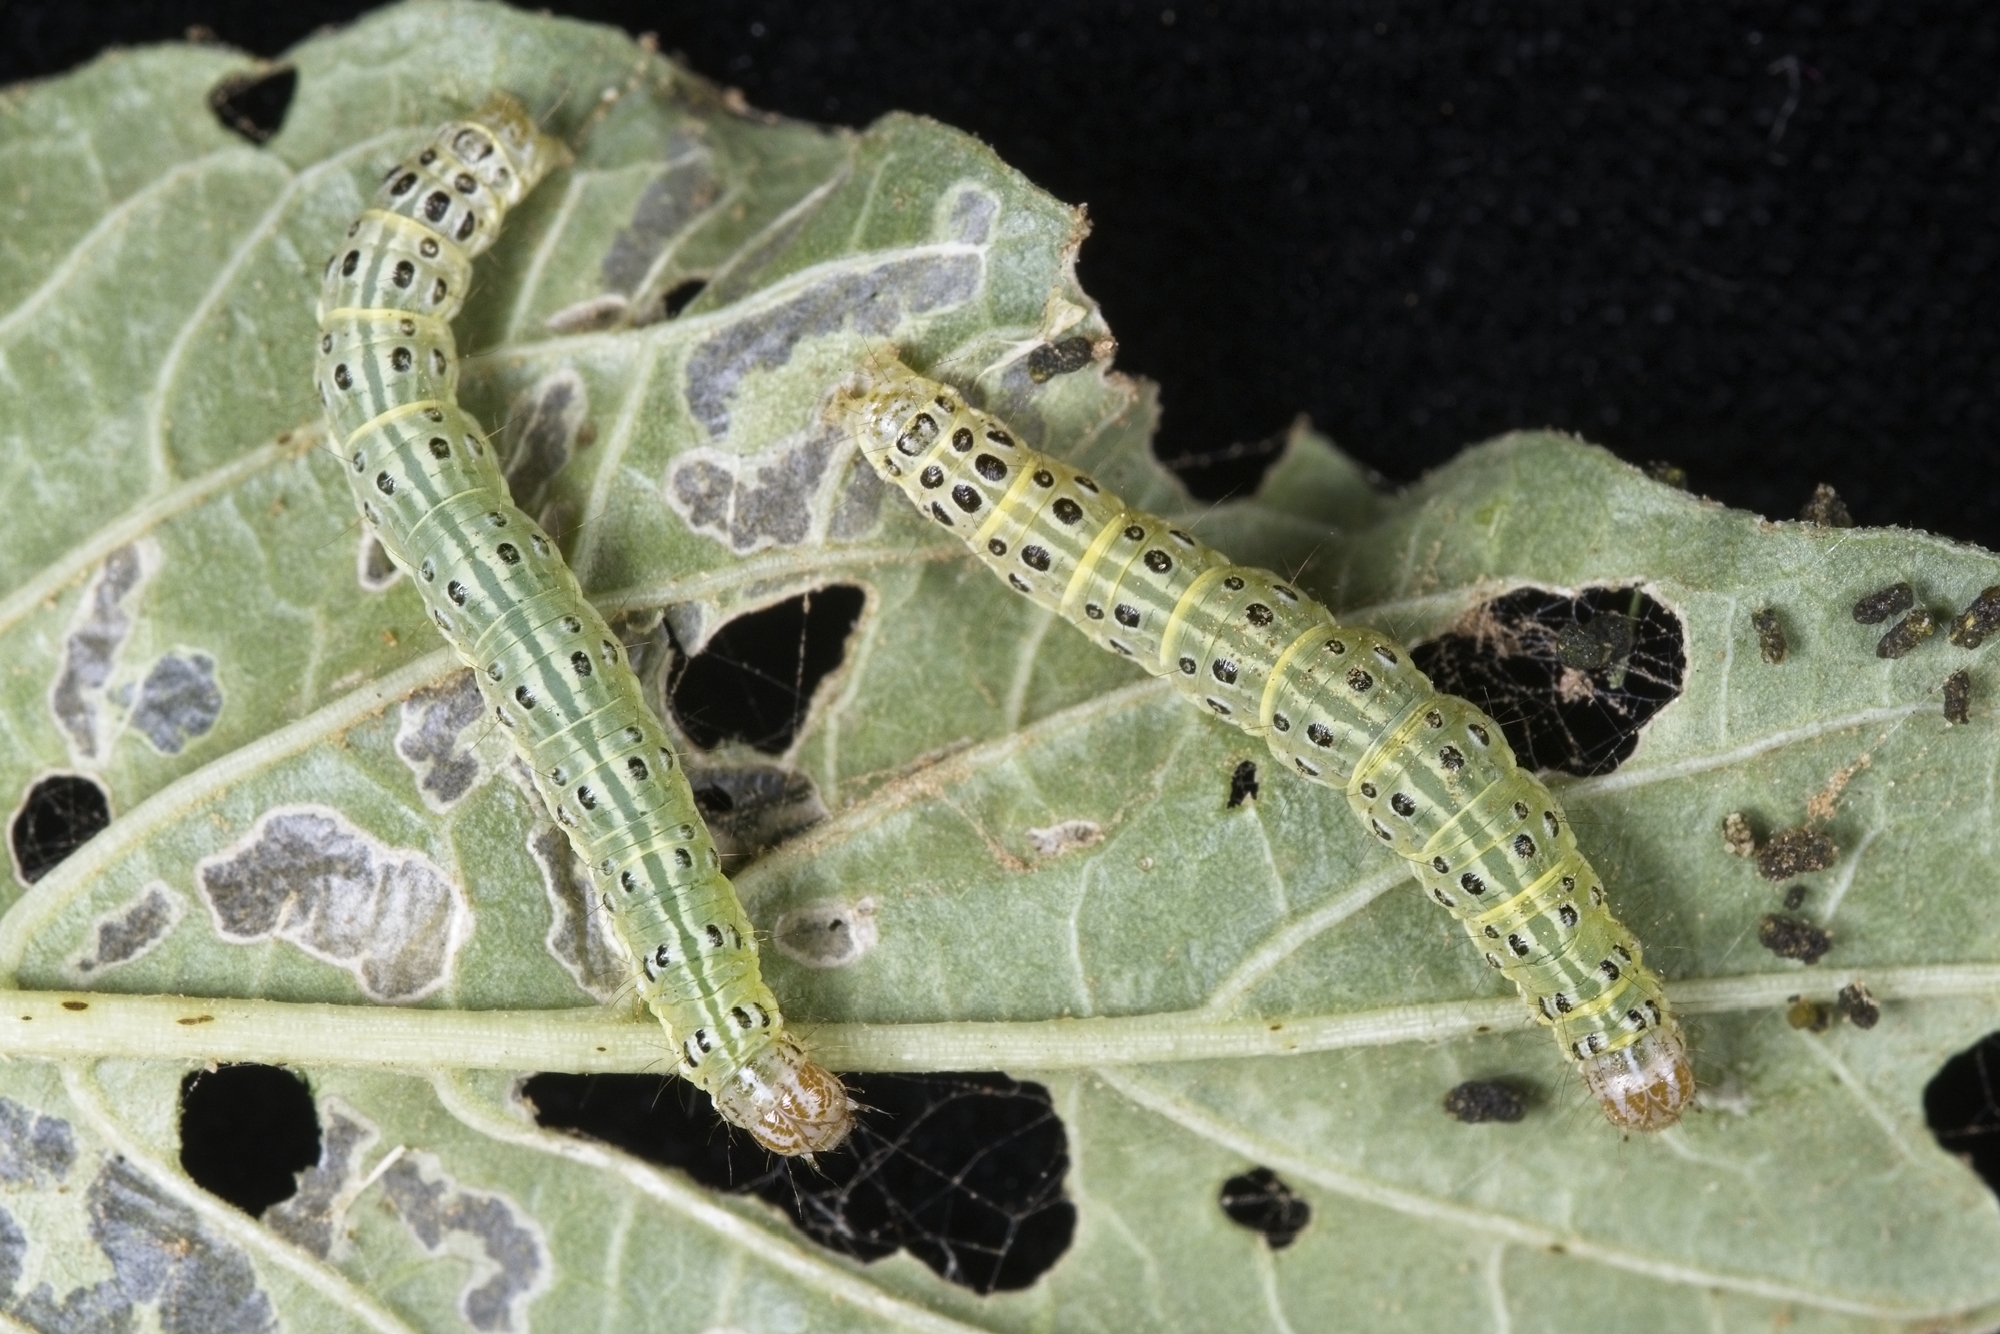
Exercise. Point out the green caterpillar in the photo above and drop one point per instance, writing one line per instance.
(425, 478)
(1427, 773)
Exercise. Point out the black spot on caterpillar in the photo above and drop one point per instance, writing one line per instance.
(424, 475)
(1427, 773)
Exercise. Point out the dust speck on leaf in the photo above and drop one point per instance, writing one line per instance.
(513, 1264)
(131, 930)
(308, 877)
(1827, 509)
(827, 935)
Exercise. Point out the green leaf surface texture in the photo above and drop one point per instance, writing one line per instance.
(1037, 834)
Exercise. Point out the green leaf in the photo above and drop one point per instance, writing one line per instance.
(190, 619)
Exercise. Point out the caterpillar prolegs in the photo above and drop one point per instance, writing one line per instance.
(426, 480)
(1427, 773)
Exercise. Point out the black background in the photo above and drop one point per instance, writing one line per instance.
(1757, 240)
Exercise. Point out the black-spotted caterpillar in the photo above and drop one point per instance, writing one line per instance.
(1428, 773)
(425, 478)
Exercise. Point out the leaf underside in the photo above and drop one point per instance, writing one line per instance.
(305, 809)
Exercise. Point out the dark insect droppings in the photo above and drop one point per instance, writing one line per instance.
(1053, 359)
(1771, 641)
(1261, 1201)
(1907, 633)
(1794, 852)
(1793, 938)
(1883, 603)
(1859, 1005)
(1958, 697)
(1242, 783)
(1970, 627)
(1479, 1101)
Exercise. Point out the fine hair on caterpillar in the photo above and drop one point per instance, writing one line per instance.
(424, 475)
(1427, 773)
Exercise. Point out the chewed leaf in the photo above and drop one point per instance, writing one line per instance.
(240, 764)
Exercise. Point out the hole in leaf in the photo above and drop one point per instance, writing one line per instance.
(964, 1171)
(1261, 1201)
(680, 296)
(254, 104)
(60, 814)
(246, 1130)
(1571, 680)
(755, 678)
(1962, 1107)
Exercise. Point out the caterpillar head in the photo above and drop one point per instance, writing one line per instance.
(891, 412)
(788, 1104)
(524, 154)
(1645, 1086)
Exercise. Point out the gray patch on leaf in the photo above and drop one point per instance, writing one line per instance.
(503, 1244)
(858, 509)
(676, 199)
(751, 808)
(36, 1149)
(827, 935)
(373, 569)
(101, 1308)
(767, 499)
(160, 1253)
(1065, 836)
(431, 739)
(96, 636)
(969, 215)
(306, 876)
(603, 311)
(132, 930)
(577, 939)
(313, 1219)
(545, 427)
(177, 702)
(874, 302)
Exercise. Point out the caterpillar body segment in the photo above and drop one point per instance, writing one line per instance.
(1427, 773)
(426, 480)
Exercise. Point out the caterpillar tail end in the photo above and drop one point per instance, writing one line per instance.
(1645, 1086)
(789, 1105)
